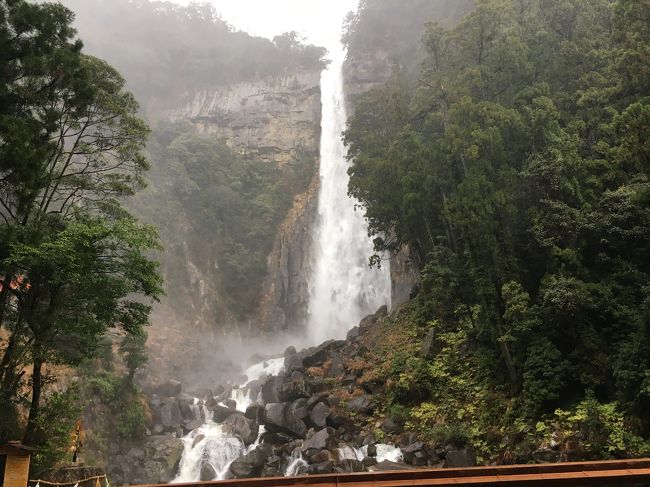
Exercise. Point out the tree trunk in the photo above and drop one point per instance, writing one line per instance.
(4, 295)
(37, 383)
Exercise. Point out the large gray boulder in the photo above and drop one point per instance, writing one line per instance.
(154, 462)
(316, 356)
(320, 440)
(207, 473)
(169, 413)
(171, 388)
(318, 415)
(361, 404)
(271, 389)
(221, 413)
(244, 428)
(280, 418)
(251, 464)
(460, 459)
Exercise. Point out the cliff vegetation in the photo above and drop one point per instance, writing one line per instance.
(518, 168)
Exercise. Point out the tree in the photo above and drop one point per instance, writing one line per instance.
(74, 261)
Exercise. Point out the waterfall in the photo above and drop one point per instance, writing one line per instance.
(343, 289)
(208, 445)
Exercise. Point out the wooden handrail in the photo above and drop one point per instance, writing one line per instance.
(610, 472)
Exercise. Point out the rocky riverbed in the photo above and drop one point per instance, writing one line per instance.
(306, 412)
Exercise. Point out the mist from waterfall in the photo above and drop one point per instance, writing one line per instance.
(343, 288)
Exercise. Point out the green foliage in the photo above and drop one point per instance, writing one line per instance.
(54, 428)
(133, 350)
(602, 429)
(235, 203)
(516, 171)
(73, 262)
(123, 400)
(131, 421)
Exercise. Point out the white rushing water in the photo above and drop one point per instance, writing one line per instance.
(209, 445)
(244, 396)
(343, 289)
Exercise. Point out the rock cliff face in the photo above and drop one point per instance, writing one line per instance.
(272, 121)
(286, 292)
(361, 72)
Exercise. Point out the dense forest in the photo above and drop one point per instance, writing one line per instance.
(514, 166)
(162, 48)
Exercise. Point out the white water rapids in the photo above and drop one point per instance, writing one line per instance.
(343, 289)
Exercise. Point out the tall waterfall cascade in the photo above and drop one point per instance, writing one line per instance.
(343, 288)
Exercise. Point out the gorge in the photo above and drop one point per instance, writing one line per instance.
(421, 243)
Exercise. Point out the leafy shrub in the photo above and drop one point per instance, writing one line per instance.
(54, 426)
(131, 422)
(600, 429)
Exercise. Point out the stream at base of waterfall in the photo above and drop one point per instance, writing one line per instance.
(210, 449)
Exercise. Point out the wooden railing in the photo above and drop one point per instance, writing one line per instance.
(608, 473)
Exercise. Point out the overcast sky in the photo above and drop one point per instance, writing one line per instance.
(318, 20)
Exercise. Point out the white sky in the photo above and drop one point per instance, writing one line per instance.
(320, 21)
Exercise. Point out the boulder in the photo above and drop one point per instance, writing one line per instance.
(320, 468)
(290, 391)
(170, 413)
(272, 467)
(318, 415)
(336, 368)
(353, 334)
(321, 457)
(191, 425)
(221, 413)
(279, 418)
(292, 360)
(361, 404)
(171, 388)
(197, 439)
(207, 472)
(251, 464)
(409, 452)
(315, 399)
(391, 426)
(271, 390)
(316, 356)
(244, 428)
(372, 450)
(336, 421)
(320, 440)
(299, 408)
(460, 459)
(230, 404)
(162, 456)
(277, 438)
(255, 412)
(350, 466)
